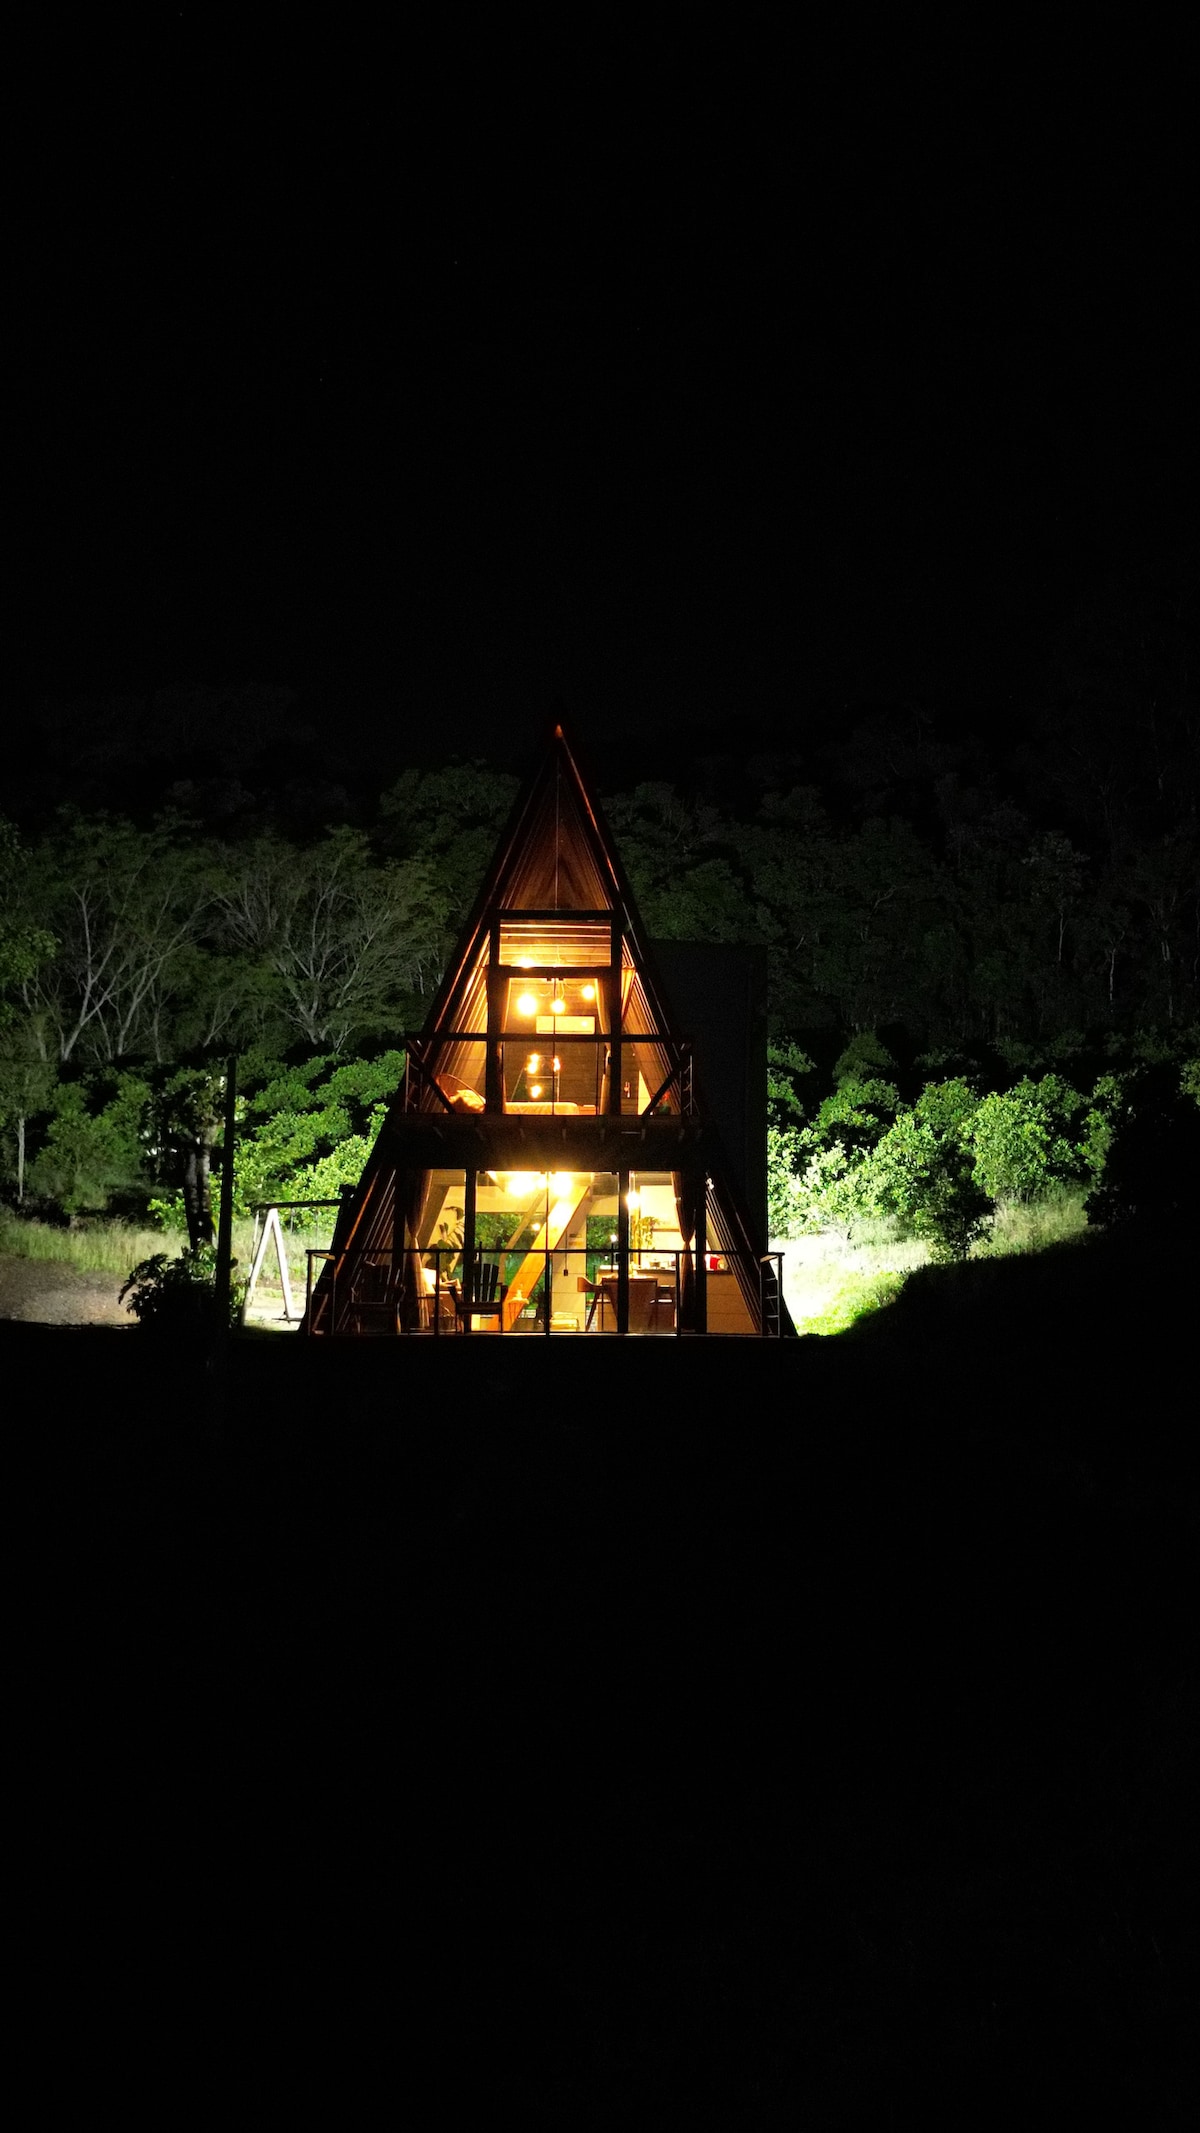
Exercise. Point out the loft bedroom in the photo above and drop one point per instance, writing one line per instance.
(552, 1019)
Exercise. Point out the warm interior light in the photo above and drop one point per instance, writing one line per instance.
(526, 1004)
(589, 992)
(535, 1089)
(633, 1199)
(533, 1062)
(558, 1005)
(560, 1184)
(522, 1182)
(524, 962)
(557, 1065)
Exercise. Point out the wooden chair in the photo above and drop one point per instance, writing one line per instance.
(663, 1319)
(483, 1296)
(376, 1308)
(439, 1310)
(375, 1315)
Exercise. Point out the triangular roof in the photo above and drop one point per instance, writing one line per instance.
(555, 854)
(555, 874)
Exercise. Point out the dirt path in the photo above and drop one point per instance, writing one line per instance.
(49, 1292)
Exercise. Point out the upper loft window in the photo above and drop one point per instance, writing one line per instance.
(540, 940)
(555, 1021)
(554, 1006)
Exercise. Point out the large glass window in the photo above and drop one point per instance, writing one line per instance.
(551, 1244)
(555, 1063)
(529, 941)
(535, 1229)
(554, 1006)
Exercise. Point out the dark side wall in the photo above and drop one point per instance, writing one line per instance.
(717, 996)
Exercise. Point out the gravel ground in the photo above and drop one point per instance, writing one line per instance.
(50, 1292)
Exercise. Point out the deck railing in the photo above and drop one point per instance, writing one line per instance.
(434, 1293)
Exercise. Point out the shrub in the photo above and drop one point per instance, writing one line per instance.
(309, 1130)
(178, 1296)
(922, 1172)
(92, 1151)
(1026, 1141)
(864, 1058)
(786, 1064)
(785, 1215)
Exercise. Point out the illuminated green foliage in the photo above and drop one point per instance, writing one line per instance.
(1013, 921)
(1027, 1140)
(93, 1148)
(868, 1157)
(787, 1064)
(178, 1296)
(856, 1115)
(308, 1129)
(864, 1058)
(922, 1172)
(304, 1130)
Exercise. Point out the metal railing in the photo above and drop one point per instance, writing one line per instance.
(435, 1292)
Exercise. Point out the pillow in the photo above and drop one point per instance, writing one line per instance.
(466, 1100)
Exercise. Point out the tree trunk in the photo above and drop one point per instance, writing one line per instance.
(197, 1195)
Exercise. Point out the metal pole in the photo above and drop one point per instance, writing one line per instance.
(225, 1221)
(623, 1184)
(219, 1352)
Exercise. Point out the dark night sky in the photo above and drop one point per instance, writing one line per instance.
(706, 397)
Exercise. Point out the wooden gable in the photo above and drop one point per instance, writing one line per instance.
(549, 1057)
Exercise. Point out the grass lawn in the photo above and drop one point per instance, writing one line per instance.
(830, 1282)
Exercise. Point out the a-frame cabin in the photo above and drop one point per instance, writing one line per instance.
(548, 1164)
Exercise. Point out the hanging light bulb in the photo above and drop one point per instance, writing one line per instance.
(533, 1062)
(560, 1184)
(526, 1004)
(589, 992)
(535, 1090)
(557, 1065)
(558, 1005)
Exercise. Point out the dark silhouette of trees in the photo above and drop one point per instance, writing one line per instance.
(1009, 912)
(1151, 1174)
(339, 943)
(126, 906)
